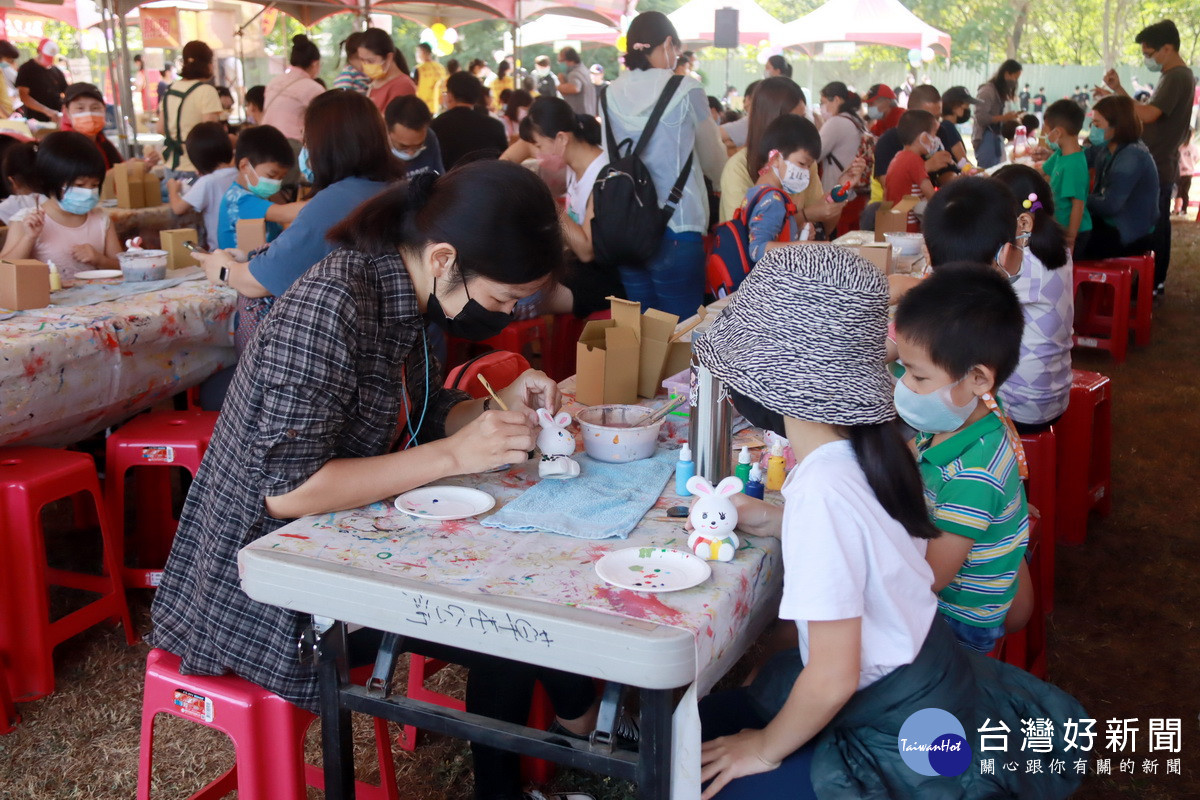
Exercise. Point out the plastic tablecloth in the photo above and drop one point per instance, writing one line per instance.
(69, 372)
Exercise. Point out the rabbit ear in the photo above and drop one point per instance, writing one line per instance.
(544, 417)
(729, 486)
(698, 485)
(563, 419)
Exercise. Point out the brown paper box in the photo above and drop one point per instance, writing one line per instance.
(108, 190)
(151, 190)
(878, 254)
(894, 218)
(172, 241)
(251, 234)
(607, 360)
(24, 283)
(130, 185)
(657, 328)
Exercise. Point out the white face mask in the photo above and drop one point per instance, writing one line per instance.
(794, 178)
(932, 144)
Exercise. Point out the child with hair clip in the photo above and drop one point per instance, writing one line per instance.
(801, 346)
(67, 229)
(19, 172)
(793, 145)
(1036, 394)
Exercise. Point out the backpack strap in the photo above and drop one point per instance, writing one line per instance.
(789, 204)
(613, 152)
(655, 115)
(173, 145)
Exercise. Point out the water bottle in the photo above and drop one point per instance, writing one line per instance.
(1020, 143)
(710, 426)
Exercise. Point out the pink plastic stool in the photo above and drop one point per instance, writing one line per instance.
(30, 478)
(267, 732)
(150, 442)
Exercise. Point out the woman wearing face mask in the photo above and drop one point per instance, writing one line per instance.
(186, 103)
(8, 66)
(990, 115)
(841, 133)
(288, 95)
(1123, 201)
(346, 159)
(310, 423)
(68, 229)
(84, 107)
(385, 66)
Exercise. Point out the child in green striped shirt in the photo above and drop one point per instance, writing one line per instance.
(959, 338)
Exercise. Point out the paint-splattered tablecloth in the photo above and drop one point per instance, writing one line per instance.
(66, 373)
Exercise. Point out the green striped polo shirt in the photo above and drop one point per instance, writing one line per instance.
(973, 489)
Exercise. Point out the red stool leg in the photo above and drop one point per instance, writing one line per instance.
(541, 714)
(1100, 476)
(8, 710)
(1144, 307)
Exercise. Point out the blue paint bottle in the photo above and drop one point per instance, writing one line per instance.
(754, 486)
(685, 469)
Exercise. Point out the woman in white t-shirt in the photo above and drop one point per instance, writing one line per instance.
(556, 131)
(801, 347)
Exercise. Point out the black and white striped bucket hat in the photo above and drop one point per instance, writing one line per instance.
(805, 336)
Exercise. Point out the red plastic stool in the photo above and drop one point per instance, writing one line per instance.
(1026, 648)
(1041, 454)
(1084, 455)
(1093, 325)
(9, 718)
(30, 478)
(1143, 301)
(150, 442)
(514, 338)
(563, 350)
(267, 732)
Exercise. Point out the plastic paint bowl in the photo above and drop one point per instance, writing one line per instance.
(143, 265)
(614, 433)
(906, 244)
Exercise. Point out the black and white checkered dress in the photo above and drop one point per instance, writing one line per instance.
(322, 380)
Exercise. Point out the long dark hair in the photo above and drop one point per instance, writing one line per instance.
(197, 61)
(304, 52)
(780, 63)
(773, 98)
(499, 216)
(892, 474)
(517, 99)
(550, 116)
(380, 43)
(1046, 240)
(998, 80)
(350, 45)
(346, 138)
(647, 31)
(849, 103)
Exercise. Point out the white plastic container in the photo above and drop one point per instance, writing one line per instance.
(612, 433)
(904, 243)
(143, 265)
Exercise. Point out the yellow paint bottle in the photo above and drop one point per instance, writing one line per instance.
(776, 468)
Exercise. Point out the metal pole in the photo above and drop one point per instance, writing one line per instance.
(126, 88)
(114, 71)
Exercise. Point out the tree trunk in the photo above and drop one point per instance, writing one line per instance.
(1020, 17)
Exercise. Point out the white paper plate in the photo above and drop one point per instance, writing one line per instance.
(98, 274)
(444, 502)
(653, 569)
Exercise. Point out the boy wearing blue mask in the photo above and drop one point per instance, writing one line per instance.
(1067, 171)
(959, 336)
(263, 158)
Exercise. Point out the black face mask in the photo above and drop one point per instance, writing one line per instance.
(474, 323)
(964, 117)
(756, 415)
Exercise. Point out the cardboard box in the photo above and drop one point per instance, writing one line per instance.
(129, 184)
(151, 190)
(893, 218)
(656, 330)
(108, 189)
(607, 357)
(24, 283)
(172, 241)
(251, 234)
(879, 254)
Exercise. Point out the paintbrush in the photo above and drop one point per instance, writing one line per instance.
(492, 392)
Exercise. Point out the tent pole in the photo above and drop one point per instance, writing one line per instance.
(240, 34)
(116, 76)
(126, 89)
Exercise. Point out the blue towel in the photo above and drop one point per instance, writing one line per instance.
(605, 501)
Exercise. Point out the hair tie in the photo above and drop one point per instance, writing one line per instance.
(641, 45)
(1031, 203)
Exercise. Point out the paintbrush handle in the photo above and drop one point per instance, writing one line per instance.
(492, 392)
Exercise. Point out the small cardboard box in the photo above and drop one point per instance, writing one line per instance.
(879, 254)
(607, 357)
(172, 241)
(129, 182)
(151, 190)
(251, 234)
(656, 330)
(24, 283)
(108, 190)
(893, 218)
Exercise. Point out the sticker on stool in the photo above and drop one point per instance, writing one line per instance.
(159, 454)
(194, 705)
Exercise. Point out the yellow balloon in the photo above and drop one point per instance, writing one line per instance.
(438, 29)
(621, 42)
(444, 46)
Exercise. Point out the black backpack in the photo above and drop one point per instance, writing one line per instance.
(547, 85)
(628, 222)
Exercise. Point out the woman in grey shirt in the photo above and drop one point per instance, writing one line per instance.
(990, 114)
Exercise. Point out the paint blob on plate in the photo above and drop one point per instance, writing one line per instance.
(653, 569)
(445, 502)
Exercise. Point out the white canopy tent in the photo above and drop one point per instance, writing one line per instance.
(695, 22)
(553, 27)
(885, 22)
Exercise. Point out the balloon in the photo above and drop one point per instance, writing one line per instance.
(621, 42)
(443, 47)
(428, 37)
(438, 29)
(927, 54)
(914, 57)
(450, 36)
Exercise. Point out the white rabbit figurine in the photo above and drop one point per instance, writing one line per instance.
(713, 518)
(557, 444)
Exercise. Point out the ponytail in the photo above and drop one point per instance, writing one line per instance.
(892, 474)
(1047, 240)
(587, 128)
(550, 116)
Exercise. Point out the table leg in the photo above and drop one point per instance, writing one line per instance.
(654, 764)
(337, 744)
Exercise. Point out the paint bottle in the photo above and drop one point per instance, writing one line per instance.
(754, 486)
(776, 468)
(55, 278)
(685, 469)
(743, 468)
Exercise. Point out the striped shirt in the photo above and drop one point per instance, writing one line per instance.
(973, 488)
(353, 80)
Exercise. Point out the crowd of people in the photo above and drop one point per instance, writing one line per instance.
(403, 203)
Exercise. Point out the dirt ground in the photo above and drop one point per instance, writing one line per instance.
(1122, 638)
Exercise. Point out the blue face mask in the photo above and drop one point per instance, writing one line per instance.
(1097, 136)
(78, 200)
(303, 165)
(874, 113)
(934, 412)
(1151, 64)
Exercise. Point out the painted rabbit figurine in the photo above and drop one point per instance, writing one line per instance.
(713, 518)
(557, 444)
